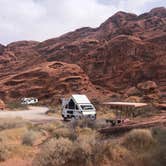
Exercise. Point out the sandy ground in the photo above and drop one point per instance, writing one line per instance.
(33, 114)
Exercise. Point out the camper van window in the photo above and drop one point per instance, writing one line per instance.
(76, 107)
(71, 104)
(86, 107)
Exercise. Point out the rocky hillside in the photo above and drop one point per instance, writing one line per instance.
(106, 61)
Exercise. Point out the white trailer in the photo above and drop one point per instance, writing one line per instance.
(78, 106)
(29, 100)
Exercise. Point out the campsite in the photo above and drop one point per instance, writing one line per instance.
(82, 83)
(38, 127)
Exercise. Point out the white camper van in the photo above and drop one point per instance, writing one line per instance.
(78, 106)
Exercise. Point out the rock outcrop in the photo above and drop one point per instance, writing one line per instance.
(147, 91)
(123, 51)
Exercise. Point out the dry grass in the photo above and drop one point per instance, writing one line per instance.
(9, 123)
(4, 151)
(48, 127)
(22, 151)
(13, 135)
(82, 145)
(87, 150)
(139, 139)
(56, 152)
(29, 138)
(158, 156)
(16, 106)
(65, 133)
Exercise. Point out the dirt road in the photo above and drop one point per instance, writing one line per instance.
(33, 114)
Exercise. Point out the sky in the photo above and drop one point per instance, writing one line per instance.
(43, 19)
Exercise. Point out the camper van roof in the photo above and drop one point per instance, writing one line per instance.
(80, 99)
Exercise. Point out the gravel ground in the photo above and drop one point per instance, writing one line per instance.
(32, 114)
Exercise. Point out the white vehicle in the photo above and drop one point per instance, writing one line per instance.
(78, 106)
(30, 100)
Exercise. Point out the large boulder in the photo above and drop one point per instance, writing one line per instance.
(2, 105)
(133, 99)
(147, 86)
(149, 91)
(133, 91)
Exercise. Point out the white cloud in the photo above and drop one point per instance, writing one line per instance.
(43, 19)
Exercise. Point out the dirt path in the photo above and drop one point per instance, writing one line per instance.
(34, 114)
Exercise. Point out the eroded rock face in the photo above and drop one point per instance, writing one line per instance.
(133, 91)
(144, 92)
(1, 48)
(147, 86)
(123, 51)
(49, 82)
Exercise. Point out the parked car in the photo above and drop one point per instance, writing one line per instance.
(30, 100)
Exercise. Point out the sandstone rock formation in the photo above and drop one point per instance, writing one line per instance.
(147, 91)
(123, 51)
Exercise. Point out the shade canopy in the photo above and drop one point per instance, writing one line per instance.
(125, 104)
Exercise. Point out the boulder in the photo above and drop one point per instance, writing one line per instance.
(152, 97)
(147, 86)
(133, 91)
(133, 99)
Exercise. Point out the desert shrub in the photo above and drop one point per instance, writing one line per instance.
(8, 123)
(84, 122)
(65, 133)
(21, 151)
(62, 152)
(139, 139)
(4, 151)
(16, 105)
(3, 138)
(29, 138)
(98, 151)
(117, 152)
(158, 156)
(59, 152)
(48, 127)
(83, 151)
(94, 149)
(85, 131)
(100, 124)
(87, 149)
(148, 110)
(4, 148)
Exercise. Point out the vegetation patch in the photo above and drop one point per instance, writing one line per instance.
(16, 106)
(139, 139)
(9, 123)
(29, 138)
